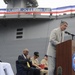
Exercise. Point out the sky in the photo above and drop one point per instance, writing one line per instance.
(47, 3)
(55, 3)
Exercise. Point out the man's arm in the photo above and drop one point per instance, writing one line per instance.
(53, 38)
(22, 60)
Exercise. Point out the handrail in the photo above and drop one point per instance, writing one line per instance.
(58, 10)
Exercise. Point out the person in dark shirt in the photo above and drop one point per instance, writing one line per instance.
(26, 63)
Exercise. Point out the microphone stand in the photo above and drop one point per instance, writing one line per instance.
(72, 36)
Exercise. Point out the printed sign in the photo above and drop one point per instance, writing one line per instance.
(73, 61)
(59, 70)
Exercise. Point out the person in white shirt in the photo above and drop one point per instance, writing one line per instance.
(6, 69)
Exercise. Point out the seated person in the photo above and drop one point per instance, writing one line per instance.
(44, 62)
(25, 62)
(35, 63)
(5, 68)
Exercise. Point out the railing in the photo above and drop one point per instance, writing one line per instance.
(51, 11)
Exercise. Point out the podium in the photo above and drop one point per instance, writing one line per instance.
(65, 58)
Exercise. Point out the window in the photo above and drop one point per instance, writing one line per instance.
(19, 33)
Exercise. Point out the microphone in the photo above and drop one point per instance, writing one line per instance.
(67, 33)
(70, 34)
